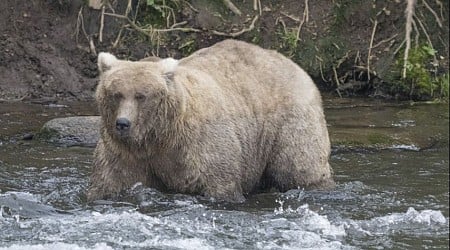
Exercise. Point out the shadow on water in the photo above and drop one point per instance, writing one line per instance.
(390, 194)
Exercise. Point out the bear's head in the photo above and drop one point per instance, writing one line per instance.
(138, 100)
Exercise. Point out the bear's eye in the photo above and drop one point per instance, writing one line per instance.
(117, 95)
(139, 97)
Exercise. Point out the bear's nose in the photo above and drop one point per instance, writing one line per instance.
(122, 124)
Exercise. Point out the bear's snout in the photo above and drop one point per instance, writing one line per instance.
(123, 124)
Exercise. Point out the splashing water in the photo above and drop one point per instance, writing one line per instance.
(395, 199)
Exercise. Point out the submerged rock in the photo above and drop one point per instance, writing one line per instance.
(23, 205)
(71, 131)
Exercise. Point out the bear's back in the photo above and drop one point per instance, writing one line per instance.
(255, 74)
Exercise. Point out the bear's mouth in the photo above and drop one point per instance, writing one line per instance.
(123, 134)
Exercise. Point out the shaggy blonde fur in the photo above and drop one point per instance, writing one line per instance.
(227, 121)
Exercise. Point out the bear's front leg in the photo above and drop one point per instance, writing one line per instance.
(113, 173)
(230, 192)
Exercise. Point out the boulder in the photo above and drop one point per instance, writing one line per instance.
(71, 131)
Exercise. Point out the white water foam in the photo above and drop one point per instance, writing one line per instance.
(57, 246)
(411, 147)
(157, 242)
(320, 223)
(409, 221)
(118, 229)
(197, 227)
(424, 218)
(308, 230)
(312, 221)
(315, 228)
(22, 195)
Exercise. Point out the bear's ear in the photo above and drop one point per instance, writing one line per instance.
(168, 65)
(105, 61)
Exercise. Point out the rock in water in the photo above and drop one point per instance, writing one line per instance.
(71, 131)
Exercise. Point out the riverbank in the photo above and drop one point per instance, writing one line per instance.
(351, 48)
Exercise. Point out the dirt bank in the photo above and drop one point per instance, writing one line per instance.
(39, 58)
(47, 48)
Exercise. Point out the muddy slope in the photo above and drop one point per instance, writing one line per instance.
(38, 54)
(47, 48)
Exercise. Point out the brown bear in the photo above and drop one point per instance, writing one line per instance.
(228, 121)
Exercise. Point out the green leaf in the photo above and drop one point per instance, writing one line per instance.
(429, 50)
(150, 2)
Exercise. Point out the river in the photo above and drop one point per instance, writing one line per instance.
(390, 160)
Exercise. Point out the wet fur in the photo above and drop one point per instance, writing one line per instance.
(227, 121)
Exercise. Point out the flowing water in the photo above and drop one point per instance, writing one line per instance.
(387, 198)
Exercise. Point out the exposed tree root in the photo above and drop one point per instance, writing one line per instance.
(290, 16)
(415, 26)
(385, 41)
(152, 32)
(92, 46)
(102, 23)
(238, 33)
(80, 26)
(119, 36)
(338, 82)
(426, 35)
(304, 19)
(369, 54)
(257, 6)
(413, 21)
(230, 5)
(409, 19)
(438, 20)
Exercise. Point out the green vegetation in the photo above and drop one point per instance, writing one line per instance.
(157, 13)
(341, 11)
(420, 79)
(188, 47)
(442, 83)
(351, 47)
(289, 41)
